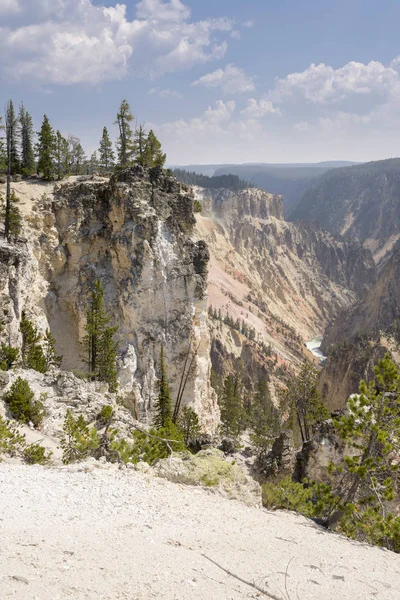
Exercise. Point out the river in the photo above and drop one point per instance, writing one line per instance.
(315, 347)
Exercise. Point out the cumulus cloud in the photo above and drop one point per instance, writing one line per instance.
(261, 108)
(69, 42)
(322, 83)
(231, 79)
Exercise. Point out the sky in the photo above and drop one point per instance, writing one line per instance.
(219, 81)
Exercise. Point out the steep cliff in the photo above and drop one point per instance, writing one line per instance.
(358, 337)
(136, 234)
(285, 280)
(359, 202)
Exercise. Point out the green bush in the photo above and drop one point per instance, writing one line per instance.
(79, 441)
(105, 415)
(197, 207)
(10, 440)
(288, 495)
(8, 357)
(22, 404)
(34, 454)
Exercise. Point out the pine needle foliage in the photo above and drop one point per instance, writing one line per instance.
(27, 151)
(106, 153)
(46, 150)
(32, 354)
(8, 357)
(50, 355)
(21, 401)
(163, 405)
(99, 340)
(79, 441)
(125, 142)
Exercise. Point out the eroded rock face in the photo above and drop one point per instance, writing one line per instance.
(135, 233)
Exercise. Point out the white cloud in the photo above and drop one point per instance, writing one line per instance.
(221, 112)
(249, 24)
(9, 7)
(174, 10)
(232, 80)
(164, 93)
(257, 109)
(70, 41)
(324, 84)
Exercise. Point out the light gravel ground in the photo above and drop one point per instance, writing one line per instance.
(107, 534)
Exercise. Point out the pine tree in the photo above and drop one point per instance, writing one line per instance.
(46, 150)
(154, 156)
(93, 164)
(163, 406)
(3, 152)
(231, 406)
(264, 419)
(125, 142)
(100, 346)
(31, 352)
(140, 143)
(106, 153)
(61, 156)
(14, 216)
(303, 400)
(52, 359)
(27, 152)
(12, 138)
(77, 155)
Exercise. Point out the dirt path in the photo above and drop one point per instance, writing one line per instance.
(110, 534)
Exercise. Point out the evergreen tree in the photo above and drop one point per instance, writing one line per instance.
(125, 142)
(31, 352)
(61, 156)
(264, 419)
(77, 155)
(12, 130)
(46, 150)
(154, 156)
(14, 216)
(303, 399)
(93, 164)
(52, 359)
(3, 152)
(100, 346)
(231, 406)
(163, 406)
(106, 153)
(140, 143)
(27, 152)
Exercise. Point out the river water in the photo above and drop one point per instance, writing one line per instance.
(314, 346)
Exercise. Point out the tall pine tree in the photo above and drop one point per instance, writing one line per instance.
(61, 156)
(125, 142)
(99, 340)
(27, 152)
(154, 156)
(46, 150)
(106, 153)
(140, 142)
(163, 405)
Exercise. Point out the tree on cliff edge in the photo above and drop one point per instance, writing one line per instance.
(106, 153)
(125, 142)
(46, 150)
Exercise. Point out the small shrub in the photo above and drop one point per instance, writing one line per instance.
(34, 454)
(197, 207)
(79, 442)
(189, 424)
(105, 415)
(22, 404)
(209, 480)
(11, 441)
(8, 357)
(288, 495)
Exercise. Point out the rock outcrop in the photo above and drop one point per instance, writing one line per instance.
(136, 234)
(284, 280)
(359, 202)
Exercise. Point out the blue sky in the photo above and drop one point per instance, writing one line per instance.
(219, 80)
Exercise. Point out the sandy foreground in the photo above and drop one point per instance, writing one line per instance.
(109, 534)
